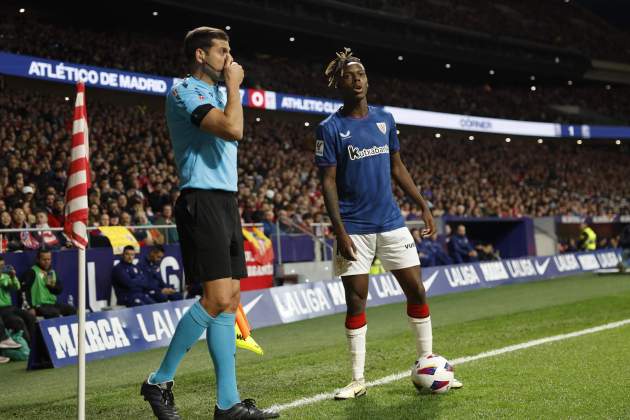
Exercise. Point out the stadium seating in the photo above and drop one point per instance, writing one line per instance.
(131, 157)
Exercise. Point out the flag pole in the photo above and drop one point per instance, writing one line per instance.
(81, 315)
(75, 223)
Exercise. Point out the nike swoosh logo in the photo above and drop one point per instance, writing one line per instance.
(429, 282)
(251, 304)
(345, 135)
(541, 268)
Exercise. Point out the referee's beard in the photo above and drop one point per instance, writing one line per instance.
(216, 76)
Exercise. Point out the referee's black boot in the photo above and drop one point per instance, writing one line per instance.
(161, 399)
(246, 409)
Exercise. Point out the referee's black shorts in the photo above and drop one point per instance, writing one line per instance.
(210, 236)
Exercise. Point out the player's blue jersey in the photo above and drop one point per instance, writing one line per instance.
(360, 148)
(203, 160)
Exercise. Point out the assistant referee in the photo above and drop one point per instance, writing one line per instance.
(205, 128)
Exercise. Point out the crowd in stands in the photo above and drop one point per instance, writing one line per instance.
(135, 181)
(558, 23)
(134, 51)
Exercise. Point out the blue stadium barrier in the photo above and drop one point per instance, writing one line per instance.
(111, 333)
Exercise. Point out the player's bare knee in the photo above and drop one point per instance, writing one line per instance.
(416, 295)
(356, 304)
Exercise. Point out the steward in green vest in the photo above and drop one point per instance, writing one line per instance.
(43, 287)
(14, 318)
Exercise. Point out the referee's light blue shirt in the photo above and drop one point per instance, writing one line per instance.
(203, 160)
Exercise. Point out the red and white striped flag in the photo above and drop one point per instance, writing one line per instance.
(76, 210)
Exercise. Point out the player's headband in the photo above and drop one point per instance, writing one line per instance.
(351, 63)
(336, 66)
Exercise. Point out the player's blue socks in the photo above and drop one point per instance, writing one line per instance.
(189, 329)
(222, 346)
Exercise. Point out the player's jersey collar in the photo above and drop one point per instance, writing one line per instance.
(340, 115)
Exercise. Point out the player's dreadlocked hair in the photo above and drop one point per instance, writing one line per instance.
(335, 67)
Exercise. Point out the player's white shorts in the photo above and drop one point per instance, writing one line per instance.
(396, 249)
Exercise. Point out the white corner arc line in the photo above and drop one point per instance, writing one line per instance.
(400, 375)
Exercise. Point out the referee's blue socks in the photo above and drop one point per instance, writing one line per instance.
(189, 329)
(222, 346)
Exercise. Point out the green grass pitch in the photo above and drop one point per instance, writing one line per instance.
(582, 377)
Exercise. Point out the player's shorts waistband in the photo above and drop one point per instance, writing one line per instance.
(203, 191)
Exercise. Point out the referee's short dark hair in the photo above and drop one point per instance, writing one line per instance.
(201, 37)
(129, 247)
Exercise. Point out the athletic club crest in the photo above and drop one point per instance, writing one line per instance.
(382, 127)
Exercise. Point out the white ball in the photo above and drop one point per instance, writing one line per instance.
(432, 373)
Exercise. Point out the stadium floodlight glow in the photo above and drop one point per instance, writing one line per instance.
(540, 141)
(617, 142)
(66, 98)
(291, 39)
(579, 141)
(447, 65)
(471, 138)
(306, 124)
(257, 119)
(401, 58)
(533, 88)
(491, 72)
(155, 13)
(228, 27)
(22, 10)
(608, 87)
(507, 139)
(557, 60)
(532, 77)
(570, 82)
(438, 135)
(397, 131)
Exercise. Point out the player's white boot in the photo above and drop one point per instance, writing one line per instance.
(354, 389)
(456, 384)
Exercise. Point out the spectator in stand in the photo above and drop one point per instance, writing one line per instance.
(166, 218)
(19, 241)
(460, 249)
(146, 236)
(5, 220)
(43, 288)
(104, 220)
(14, 318)
(269, 225)
(47, 238)
(437, 249)
(94, 214)
(157, 289)
(56, 217)
(425, 252)
(130, 283)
